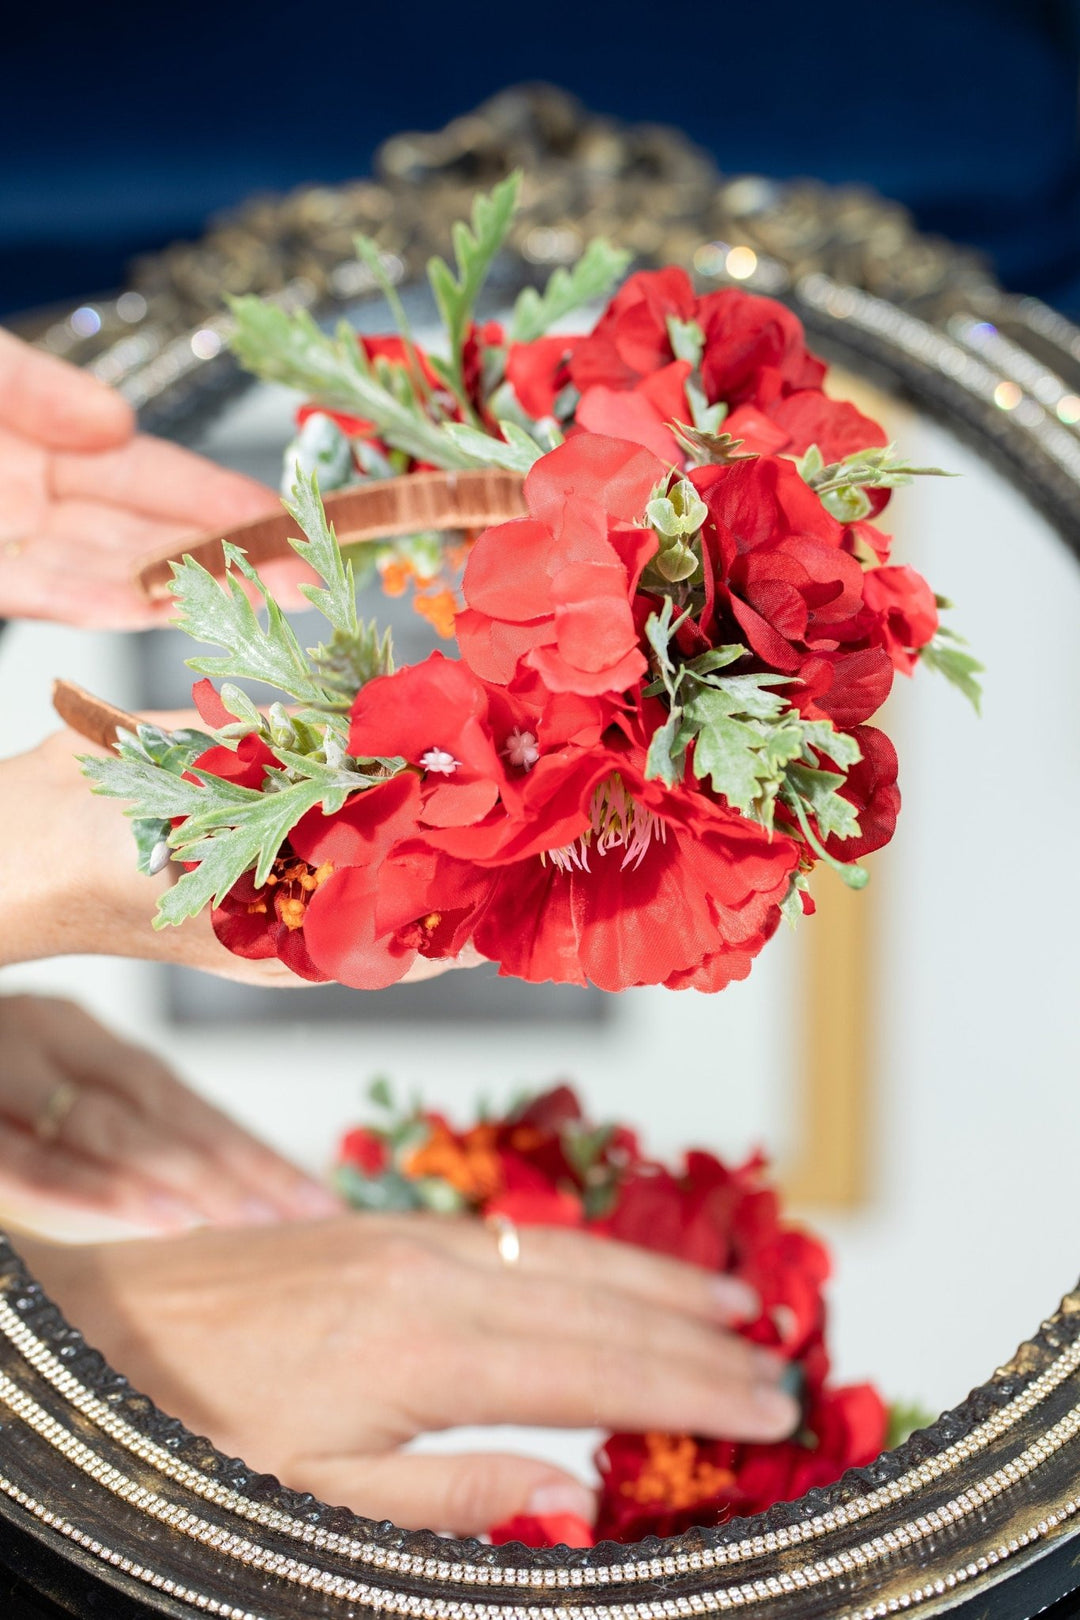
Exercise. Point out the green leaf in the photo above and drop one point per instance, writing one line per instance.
(791, 908)
(367, 250)
(591, 278)
(290, 348)
(877, 467)
(687, 340)
(659, 629)
(728, 751)
(222, 614)
(708, 449)
(320, 550)
(904, 1418)
(707, 418)
(749, 695)
(231, 835)
(836, 817)
(957, 665)
(389, 1194)
(517, 451)
(380, 1092)
(348, 662)
(474, 251)
(750, 744)
(666, 760)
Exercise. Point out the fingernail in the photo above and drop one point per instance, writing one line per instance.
(312, 1198)
(779, 1415)
(259, 1213)
(736, 1299)
(174, 1212)
(562, 1496)
(768, 1366)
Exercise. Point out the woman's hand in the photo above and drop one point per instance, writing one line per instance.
(75, 889)
(316, 1351)
(85, 497)
(91, 1123)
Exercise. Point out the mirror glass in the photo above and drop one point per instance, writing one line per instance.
(906, 1060)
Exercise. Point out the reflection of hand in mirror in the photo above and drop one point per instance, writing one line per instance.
(87, 497)
(316, 1351)
(79, 889)
(92, 1123)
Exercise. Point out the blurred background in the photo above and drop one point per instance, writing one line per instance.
(953, 1210)
(124, 126)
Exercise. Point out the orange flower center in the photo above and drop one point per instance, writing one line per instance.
(675, 1475)
(290, 885)
(468, 1162)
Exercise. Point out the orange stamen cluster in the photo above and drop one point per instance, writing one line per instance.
(469, 1162)
(434, 596)
(675, 1475)
(290, 885)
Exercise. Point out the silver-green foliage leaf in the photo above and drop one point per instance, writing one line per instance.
(949, 657)
(517, 451)
(591, 278)
(336, 599)
(475, 249)
(224, 828)
(288, 347)
(221, 613)
(749, 743)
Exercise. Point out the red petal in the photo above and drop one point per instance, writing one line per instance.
(207, 699)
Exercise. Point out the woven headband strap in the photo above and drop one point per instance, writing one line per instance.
(377, 511)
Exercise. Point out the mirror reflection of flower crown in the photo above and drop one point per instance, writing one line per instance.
(658, 722)
(541, 1161)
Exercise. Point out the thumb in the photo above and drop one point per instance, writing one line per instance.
(466, 1494)
(56, 404)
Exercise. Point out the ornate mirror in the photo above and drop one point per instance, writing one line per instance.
(904, 1057)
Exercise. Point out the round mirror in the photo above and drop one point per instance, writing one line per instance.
(901, 1061)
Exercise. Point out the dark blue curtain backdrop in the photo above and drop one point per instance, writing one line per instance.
(123, 125)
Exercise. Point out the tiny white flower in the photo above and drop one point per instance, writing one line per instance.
(439, 761)
(522, 749)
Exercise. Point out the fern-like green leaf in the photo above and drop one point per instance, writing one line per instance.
(591, 278)
(474, 251)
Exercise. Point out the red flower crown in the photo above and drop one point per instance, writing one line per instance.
(658, 722)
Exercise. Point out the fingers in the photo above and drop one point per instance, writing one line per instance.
(39, 1178)
(134, 1118)
(652, 1278)
(566, 1383)
(516, 1348)
(465, 1494)
(161, 480)
(253, 1182)
(47, 400)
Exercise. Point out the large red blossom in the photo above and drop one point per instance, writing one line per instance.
(754, 360)
(655, 1484)
(552, 591)
(389, 898)
(787, 587)
(659, 886)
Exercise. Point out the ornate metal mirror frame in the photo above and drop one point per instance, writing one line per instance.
(110, 1508)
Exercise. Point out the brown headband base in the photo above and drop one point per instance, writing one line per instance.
(381, 510)
(91, 716)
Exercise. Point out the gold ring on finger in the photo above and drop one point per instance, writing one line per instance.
(507, 1239)
(55, 1110)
